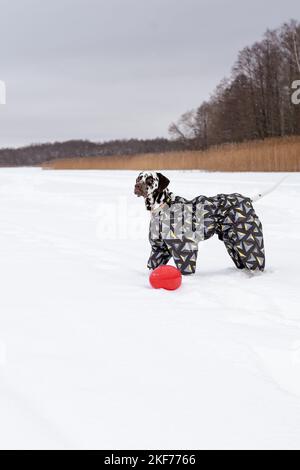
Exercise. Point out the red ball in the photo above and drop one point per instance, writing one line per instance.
(166, 277)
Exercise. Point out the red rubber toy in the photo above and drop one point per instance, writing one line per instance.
(166, 277)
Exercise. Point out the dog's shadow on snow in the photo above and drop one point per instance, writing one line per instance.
(217, 272)
(230, 274)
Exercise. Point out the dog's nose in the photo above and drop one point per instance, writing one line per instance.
(138, 189)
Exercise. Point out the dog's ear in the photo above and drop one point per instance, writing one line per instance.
(163, 182)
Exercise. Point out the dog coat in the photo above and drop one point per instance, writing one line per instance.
(177, 228)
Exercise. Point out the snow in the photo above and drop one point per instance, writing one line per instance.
(92, 357)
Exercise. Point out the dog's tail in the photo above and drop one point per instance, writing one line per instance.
(259, 196)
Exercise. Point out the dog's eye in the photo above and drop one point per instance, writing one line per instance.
(149, 180)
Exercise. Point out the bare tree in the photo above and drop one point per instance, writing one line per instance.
(297, 57)
(185, 129)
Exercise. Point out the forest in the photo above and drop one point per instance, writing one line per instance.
(258, 100)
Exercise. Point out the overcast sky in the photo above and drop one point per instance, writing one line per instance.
(105, 69)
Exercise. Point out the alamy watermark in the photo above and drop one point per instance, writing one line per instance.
(119, 220)
(2, 92)
(296, 93)
(3, 354)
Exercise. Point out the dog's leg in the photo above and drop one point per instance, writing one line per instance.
(184, 255)
(244, 240)
(234, 254)
(159, 255)
(255, 256)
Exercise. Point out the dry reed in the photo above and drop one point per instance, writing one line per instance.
(277, 154)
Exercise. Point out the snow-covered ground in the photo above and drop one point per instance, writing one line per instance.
(92, 357)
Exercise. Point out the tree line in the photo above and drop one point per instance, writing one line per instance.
(255, 101)
(40, 153)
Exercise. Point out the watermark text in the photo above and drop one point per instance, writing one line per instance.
(296, 93)
(2, 92)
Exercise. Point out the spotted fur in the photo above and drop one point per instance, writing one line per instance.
(153, 187)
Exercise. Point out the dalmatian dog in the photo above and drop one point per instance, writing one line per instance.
(178, 225)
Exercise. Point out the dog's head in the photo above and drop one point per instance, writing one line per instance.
(149, 183)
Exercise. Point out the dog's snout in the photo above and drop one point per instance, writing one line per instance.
(139, 189)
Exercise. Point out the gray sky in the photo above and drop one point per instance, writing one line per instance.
(105, 69)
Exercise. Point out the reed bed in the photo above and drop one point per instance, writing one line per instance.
(276, 154)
